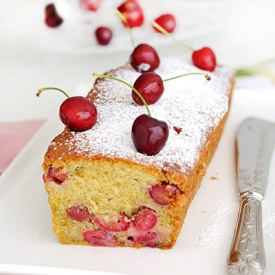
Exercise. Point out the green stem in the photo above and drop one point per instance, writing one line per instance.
(124, 20)
(187, 74)
(165, 32)
(127, 84)
(253, 71)
(51, 88)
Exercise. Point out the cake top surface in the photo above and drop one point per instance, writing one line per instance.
(191, 104)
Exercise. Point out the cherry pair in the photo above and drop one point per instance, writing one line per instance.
(144, 57)
(134, 16)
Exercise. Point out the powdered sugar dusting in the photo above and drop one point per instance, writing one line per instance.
(144, 67)
(191, 103)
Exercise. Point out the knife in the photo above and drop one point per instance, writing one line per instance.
(255, 142)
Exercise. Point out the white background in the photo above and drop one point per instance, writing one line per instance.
(242, 33)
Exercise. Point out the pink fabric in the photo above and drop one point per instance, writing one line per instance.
(13, 137)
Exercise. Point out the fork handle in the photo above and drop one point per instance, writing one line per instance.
(247, 249)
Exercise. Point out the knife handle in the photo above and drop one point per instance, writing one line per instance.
(247, 250)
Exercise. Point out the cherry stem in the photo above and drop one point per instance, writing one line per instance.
(124, 20)
(165, 32)
(127, 84)
(51, 88)
(207, 77)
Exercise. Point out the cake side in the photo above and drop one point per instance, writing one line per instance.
(102, 192)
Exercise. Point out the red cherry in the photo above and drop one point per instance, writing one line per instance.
(167, 21)
(90, 5)
(205, 59)
(50, 10)
(145, 220)
(147, 239)
(144, 58)
(114, 226)
(103, 35)
(149, 135)
(53, 22)
(78, 113)
(164, 193)
(150, 86)
(132, 12)
(78, 213)
(55, 175)
(100, 238)
(52, 18)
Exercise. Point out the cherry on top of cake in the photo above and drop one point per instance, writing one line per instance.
(149, 134)
(191, 104)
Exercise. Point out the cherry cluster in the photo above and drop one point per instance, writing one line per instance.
(130, 9)
(149, 134)
(133, 16)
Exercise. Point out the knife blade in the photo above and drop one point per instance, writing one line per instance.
(255, 142)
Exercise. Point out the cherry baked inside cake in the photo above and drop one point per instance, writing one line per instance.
(103, 192)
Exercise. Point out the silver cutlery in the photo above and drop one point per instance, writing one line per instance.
(254, 147)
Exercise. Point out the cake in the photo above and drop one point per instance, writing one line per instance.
(103, 192)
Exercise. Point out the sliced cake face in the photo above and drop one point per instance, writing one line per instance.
(111, 203)
(103, 192)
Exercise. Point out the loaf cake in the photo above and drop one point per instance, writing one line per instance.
(103, 192)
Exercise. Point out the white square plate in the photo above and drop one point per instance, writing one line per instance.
(28, 245)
